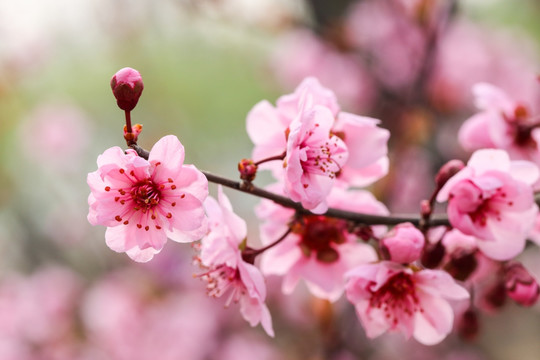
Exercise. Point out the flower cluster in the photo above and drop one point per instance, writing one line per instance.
(319, 227)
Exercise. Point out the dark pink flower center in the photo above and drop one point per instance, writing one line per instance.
(222, 279)
(396, 297)
(145, 201)
(319, 234)
(145, 194)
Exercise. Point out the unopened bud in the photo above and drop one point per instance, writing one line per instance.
(127, 87)
(520, 285)
(247, 169)
(404, 243)
(448, 170)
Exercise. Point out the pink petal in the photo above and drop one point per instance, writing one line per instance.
(435, 323)
(489, 159)
(170, 153)
(473, 133)
(366, 142)
(264, 123)
(524, 171)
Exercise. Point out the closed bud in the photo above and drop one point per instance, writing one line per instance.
(247, 169)
(127, 87)
(404, 243)
(520, 285)
(448, 170)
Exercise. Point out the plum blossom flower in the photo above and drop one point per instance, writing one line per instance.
(502, 123)
(391, 297)
(144, 202)
(226, 272)
(492, 199)
(314, 157)
(308, 127)
(319, 249)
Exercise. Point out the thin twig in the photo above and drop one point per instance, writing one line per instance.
(355, 217)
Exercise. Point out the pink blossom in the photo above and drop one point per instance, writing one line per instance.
(385, 32)
(291, 128)
(319, 250)
(503, 123)
(226, 272)
(391, 297)
(505, 60)
(143, 202)
(492, 199)
(127, 317)
(404, 243)
(314, 157)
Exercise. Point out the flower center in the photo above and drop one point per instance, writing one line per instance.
(318, 233)
(396, 296)
(222, 279)
(145, 194)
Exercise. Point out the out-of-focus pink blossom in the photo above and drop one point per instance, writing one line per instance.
(245, 346)
(502, 123)
(143, 202)
(319, 250)
(227, 273)
(404, 243)
(492, 199)
(385, 32)
(38, 311)
(302, 54)
(56, 135)
(505, 60)
(520, 285)
(391, 297)
(126, 318)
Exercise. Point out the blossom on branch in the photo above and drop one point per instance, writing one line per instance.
(492, 199)
(322, 145)
(226, 272)
(144, 202)
(319, 249)
(502, 123)
(391, 297)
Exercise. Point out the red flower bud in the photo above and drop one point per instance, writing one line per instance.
(247, 169)
(127, 87)
(448, 170)
(520, 285)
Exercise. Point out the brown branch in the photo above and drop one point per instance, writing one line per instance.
(355, 217)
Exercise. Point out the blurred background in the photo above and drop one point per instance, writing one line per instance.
(205, 63)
